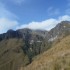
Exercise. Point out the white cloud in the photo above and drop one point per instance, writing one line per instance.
(6, 21)
(64, 18)
(46, 24)
(6, 24)
(39, 25)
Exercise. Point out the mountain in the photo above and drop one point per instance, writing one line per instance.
(56, 58)
(62, 29)
(19, 48)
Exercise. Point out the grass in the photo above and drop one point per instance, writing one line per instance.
(11, 54)
(56, 58)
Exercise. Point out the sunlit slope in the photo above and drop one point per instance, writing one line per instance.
(57, 58)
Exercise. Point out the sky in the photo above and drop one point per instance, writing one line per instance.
(33, 14)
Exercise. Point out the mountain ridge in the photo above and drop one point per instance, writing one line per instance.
(27, 44)
(21, 32)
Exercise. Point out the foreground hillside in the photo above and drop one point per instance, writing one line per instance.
(11, 54)
(57, 58)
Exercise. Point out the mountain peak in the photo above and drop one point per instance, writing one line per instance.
(10, 31)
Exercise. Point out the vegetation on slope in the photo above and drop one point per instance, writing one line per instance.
(11, 54)
(15, 53)
(56, 58)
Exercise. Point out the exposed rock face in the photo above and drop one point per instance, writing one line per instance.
(22, 33)
(61, 29)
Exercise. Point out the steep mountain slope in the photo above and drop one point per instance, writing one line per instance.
(57, 58)
(61, 30)
(19, 48)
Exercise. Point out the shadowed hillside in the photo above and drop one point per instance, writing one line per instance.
(11, 54)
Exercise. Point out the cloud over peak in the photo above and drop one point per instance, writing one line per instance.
(46, 24)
